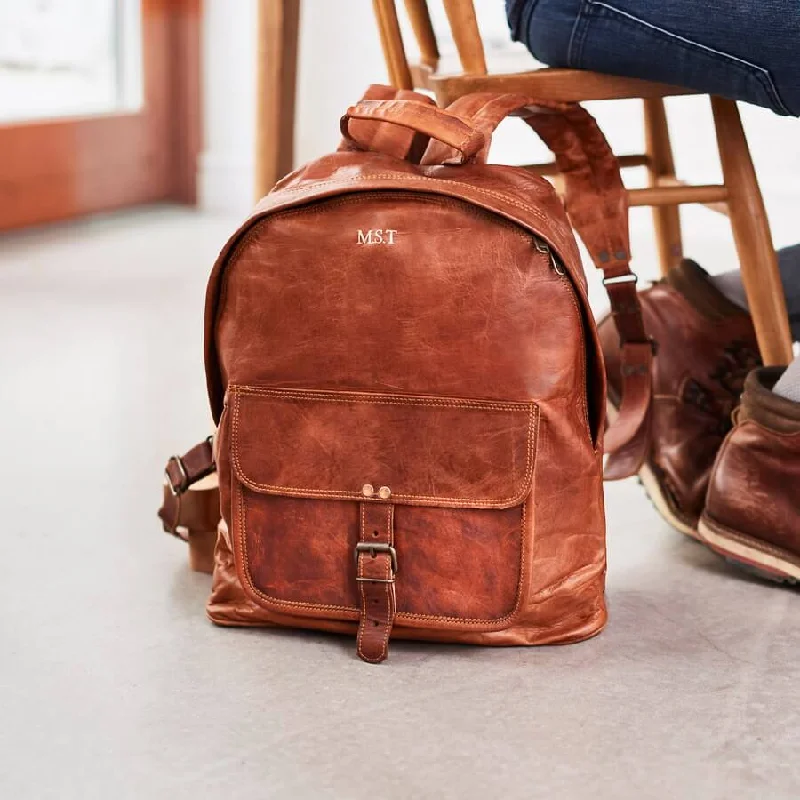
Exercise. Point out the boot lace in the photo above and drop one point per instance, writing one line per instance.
(727, 378)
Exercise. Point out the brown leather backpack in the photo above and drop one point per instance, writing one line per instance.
(408, 387)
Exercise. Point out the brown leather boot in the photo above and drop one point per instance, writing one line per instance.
(706, 345)
(752, 514)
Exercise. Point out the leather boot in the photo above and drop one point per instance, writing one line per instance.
(706, 345)
(752, 514)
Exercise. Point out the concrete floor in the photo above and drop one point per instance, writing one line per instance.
(114, 685)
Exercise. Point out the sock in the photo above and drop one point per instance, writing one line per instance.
(730, 284)
(788, 384)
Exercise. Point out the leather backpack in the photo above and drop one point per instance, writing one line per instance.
(408, 387)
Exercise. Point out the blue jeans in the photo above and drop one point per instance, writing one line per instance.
(742, 49)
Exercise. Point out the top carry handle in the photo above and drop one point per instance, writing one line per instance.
(454, 133)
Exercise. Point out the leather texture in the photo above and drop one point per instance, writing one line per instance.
(389, 139)
(705, 347)
(753, 488)
(193, 514)
(375, 574)
(183, 471)
(409, 384)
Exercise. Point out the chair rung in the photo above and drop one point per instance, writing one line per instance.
(677, 195)
(624, 162)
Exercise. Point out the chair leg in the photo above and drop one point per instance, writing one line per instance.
(394, 53)
(666, 219)
(279, 22)
(757, 259)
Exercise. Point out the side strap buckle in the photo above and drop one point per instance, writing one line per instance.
(182, 485)
(377, 547)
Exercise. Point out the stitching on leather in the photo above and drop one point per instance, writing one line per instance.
(517, 601)
(382, 117)
(252, 231)
(522, 572)
(764, 76)
(247, 573)
(361, 591)
(388, 587)
(398, 399)
(400, 615)
(584, 371)
(533, 417)
(576, 116)
(423, 178)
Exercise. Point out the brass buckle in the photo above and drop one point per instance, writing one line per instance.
(377, 547)
(184, 484)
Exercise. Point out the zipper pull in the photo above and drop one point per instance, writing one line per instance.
(543, 247)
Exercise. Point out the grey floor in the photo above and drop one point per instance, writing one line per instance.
(114, 685)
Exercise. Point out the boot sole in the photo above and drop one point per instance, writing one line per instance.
(657, 496)
(763, 559)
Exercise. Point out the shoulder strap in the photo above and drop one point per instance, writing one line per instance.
(597, 204)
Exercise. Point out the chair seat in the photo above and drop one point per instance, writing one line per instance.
(548, 83)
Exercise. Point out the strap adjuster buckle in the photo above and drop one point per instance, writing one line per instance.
(649, 341)
(618, 279)
(377, 547)
(180, 488)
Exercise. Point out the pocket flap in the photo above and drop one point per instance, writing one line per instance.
(432, 451)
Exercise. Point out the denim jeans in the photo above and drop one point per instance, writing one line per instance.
(742, 49)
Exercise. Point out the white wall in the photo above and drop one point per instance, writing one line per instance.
(227, 165)
(339, 56)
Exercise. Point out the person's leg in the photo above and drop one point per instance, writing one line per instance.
(730, 284)
(744, 50)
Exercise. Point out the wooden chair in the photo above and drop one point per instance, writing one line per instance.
(739, 196)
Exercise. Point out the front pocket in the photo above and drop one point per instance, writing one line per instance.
(459, 472)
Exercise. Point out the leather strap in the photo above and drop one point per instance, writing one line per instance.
(628, 439)
(183, 471)
(385, 138)
(597, 204)
(455, 133)
(195, 511)
(376, 566)
(190, 509)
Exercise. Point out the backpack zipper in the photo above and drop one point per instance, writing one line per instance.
(543, 247)
(557, 267)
